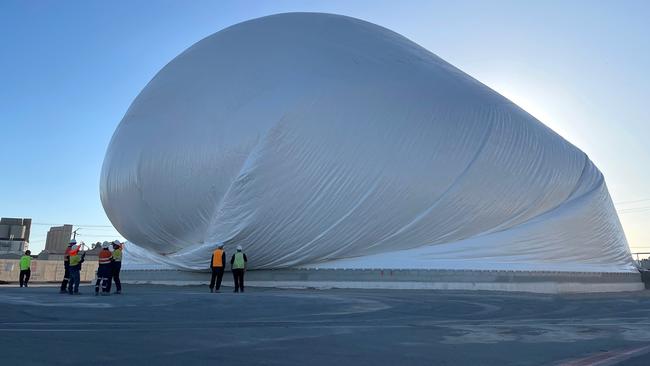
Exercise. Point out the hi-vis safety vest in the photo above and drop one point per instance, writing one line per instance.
(117, 255)
(74, 259)
(104, 257)
(25, 262)
(217, 258)
(239, 261)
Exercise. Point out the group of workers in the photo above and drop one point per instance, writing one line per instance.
(218, 264)
(110, 264)
(109, 268)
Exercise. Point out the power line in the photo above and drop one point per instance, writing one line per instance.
(84, 225)
(100, 229)
(634, 210)
(634, 201)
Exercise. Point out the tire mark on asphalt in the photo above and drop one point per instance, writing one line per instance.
(607, 358)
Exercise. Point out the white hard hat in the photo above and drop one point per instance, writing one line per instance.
(239, 247)
(117, 242)
(75, 247)
(105, 245)
(73, 241)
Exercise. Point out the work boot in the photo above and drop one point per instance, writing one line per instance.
(96, 293)
(118, 292)
(235, 290)
(63, 291)
(211, 290)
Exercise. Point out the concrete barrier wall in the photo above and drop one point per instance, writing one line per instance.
(542, 282)
(526, 281)
(44, 271)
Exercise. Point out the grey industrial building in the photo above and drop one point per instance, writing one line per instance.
(58, 238)
(14, 236)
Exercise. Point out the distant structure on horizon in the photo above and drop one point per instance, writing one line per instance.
(58, 238)
(14, 235)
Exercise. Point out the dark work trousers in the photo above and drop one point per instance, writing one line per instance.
(75, 278)
(24, 276)
(66, 277)
(117, 266)
(238, 275)
(104, 274)
(217, 274)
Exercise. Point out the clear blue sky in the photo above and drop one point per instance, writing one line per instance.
(70, 69)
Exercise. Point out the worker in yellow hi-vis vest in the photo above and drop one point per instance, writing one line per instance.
(116, 261)
(238, 266)
(66, 266)
(25, 268)
(217, 264)
(76, 260)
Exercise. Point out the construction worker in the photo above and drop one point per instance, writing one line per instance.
(105, 270)
(76, 259)
(238, 266)
(116, 260)
(25, 271)
(217, 264)
(66, 266)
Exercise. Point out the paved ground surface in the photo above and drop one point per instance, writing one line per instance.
(159, 325)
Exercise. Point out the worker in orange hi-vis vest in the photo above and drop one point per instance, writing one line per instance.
(105, 270)
(217, 264)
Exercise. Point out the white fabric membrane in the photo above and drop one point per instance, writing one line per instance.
(323, 141)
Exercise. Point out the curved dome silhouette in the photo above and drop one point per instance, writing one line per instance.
(326, 141)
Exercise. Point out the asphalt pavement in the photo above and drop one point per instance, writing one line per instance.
(168, 325)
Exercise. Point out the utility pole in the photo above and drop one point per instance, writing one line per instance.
(74, 233)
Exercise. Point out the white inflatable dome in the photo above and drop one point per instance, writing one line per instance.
(318, 140)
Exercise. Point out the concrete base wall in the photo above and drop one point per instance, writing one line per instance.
(540, 282)
(44, 271)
